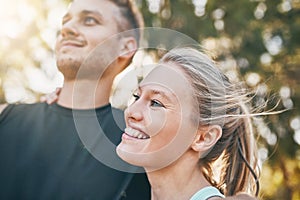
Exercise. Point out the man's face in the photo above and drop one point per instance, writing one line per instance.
(87, 24)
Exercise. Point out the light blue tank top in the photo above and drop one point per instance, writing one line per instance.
(207, 192)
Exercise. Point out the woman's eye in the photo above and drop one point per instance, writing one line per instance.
(135, 97)
(156, 103)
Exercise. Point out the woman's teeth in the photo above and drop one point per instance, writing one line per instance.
(135, 133)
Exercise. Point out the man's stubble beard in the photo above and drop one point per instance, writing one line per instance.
(91, 68)
(68, 67)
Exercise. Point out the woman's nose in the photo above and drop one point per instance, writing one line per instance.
(134, 112)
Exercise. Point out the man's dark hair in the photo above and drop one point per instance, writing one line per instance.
(132, 18)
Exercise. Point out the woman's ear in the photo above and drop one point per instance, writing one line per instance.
(128, 47)
(206, 138)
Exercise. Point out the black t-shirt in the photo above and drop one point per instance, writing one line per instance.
(51, 152)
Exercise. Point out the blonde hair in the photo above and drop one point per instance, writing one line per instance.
(223, 103)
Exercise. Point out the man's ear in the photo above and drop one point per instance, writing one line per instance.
(206, 138)
(128, 47)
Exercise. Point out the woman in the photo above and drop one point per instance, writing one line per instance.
(191, 130)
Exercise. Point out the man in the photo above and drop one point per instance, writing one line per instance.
(46, 151)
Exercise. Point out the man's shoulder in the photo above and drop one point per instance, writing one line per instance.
(2, 107)
(22, 107)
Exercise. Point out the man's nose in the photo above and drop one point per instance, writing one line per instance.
(69, 29)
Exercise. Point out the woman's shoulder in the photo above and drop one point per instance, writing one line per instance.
(241, 196)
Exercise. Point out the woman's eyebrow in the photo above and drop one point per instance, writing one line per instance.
(157, 92)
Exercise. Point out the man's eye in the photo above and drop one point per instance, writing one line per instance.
(156, 103)
(90, 21)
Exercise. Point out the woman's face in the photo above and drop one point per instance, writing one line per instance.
(159, 126)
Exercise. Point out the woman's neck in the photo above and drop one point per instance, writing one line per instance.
(179, 180)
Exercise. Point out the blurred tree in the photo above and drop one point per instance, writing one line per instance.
(255, 39)
(27, 38)
(261, 40)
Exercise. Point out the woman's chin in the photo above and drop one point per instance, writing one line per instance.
(150, 162)
(129, 157)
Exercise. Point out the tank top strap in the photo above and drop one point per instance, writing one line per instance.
(207, 192)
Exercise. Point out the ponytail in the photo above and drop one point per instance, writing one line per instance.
(236, 149)
(240, 174)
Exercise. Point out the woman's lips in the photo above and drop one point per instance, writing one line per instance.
(136, 133)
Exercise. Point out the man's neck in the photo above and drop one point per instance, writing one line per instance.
(85, 94)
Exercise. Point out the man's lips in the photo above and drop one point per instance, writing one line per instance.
(136, 133)
(71, 43)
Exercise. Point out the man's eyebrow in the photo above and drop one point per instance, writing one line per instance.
(67, 15)
(84, 13)
(94, 12)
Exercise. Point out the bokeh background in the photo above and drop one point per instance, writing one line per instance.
(257, 41)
